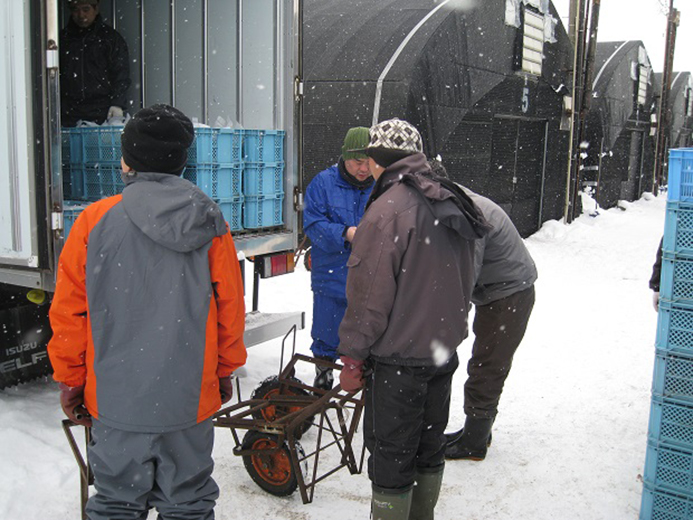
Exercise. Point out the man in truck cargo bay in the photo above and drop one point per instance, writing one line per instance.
(148, 319)
(94, 67)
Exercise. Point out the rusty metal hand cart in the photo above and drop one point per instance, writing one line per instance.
(277, 416)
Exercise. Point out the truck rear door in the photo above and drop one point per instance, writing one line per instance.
(28, 128)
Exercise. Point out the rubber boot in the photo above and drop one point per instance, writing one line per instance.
(451, 438)
(425, 493)
(324, 379)
(390, 504)
(472, 444)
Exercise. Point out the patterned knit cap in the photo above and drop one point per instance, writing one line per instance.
(393, 140)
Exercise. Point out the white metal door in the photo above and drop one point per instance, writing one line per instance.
(18, 244)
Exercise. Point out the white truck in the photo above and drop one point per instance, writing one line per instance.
(234, 61)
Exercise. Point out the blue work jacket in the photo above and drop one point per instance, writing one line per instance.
(331, 206)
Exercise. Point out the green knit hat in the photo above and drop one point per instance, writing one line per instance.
(355, 143)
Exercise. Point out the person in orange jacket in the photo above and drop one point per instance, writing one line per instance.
(148, 319)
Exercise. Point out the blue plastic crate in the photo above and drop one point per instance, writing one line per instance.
(263, 179)
(678, 229)
(71, 211)
(71, 145)
(673, 377)
(232, 211)
(66, 172)
(671, 422)
(202, 148)
(266, 146)
(65, 146)
(95, 145)
(229, 144)
(669, 468)
(658, 504)
(215, 145)
(100, 181)
(262, 212)
(676, 281)
(680, 183)
(675, 328)
(217, 181)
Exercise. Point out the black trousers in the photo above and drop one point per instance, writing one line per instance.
(405, 416)
(499, 328)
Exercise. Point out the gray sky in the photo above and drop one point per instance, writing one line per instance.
(643, 20)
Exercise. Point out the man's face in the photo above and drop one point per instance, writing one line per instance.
(358, 168)
(84, 14)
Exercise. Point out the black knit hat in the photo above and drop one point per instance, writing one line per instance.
(157, 139)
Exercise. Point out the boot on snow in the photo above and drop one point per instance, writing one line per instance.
(451, 438)
(324, 379)
(425, 493)
(473, 441)
(390, 504)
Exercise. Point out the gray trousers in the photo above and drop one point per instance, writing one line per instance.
(134, 472)
(499, 328)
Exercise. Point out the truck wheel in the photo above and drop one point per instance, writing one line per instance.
(270, 387)
(271, 468)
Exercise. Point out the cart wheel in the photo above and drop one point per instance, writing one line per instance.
(271, 470)
(271, 386)
(308, 260)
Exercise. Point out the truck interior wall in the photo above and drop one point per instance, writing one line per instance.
(230, 63)
(216, 65)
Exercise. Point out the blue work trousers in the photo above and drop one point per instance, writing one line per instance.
(328, 313)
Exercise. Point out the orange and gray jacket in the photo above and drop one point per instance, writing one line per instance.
(411, 270)
(148, 311)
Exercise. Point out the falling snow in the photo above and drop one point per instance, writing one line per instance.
(570, 438)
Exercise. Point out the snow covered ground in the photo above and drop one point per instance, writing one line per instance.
(568, 444)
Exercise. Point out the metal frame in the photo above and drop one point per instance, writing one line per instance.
(338, 412)
(86, 477)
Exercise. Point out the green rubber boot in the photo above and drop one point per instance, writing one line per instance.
(425, 493)
(390, 504)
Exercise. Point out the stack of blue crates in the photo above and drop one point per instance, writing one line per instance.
(215, 166)
(668, 476)
(263, 178)
(241, 170)
(94, 162)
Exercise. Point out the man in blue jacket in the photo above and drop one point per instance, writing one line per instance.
(335, 201)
